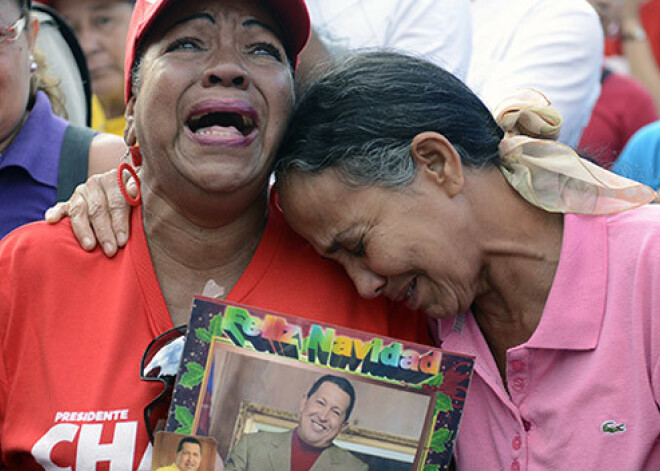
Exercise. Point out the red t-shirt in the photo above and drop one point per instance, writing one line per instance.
(624, 106)
(74, 325)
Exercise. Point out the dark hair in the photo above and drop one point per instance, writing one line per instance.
(361, 116)
(185, 440)
(342, 383)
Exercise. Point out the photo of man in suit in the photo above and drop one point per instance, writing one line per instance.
(324, 413)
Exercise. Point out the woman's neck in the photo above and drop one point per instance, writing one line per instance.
(521, 254)
(6, 142)
(186, 255)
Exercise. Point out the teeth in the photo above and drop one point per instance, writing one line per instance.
(214, 133)
(247, 121)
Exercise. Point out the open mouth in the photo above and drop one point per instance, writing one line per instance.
(219, 122)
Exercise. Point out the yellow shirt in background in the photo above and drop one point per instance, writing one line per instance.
(101, 124)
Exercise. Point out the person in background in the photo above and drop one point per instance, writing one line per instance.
(209, 90)
(624, 105)
(633, 40)
(640, 159)
(540, 264)
(33, 172)
(438, 30)
(553, 46)
(101, 26)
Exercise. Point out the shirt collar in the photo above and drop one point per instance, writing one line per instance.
(575, 308)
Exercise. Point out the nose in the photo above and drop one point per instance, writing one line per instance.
(323, 415)
(88, 38)
(227, 71)
(368, 283)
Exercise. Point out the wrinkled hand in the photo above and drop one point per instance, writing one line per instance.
(98, 212)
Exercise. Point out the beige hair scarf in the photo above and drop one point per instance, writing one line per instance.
(551, 175)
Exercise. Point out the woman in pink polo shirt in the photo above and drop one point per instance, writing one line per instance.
(396, 170)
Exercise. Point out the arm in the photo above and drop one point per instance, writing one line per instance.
(312, 61)
(105, 153)
(637, 50)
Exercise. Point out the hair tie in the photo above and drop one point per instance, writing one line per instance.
(550, 175)
(134, 151)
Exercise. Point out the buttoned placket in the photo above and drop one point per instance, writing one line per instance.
(518, 385)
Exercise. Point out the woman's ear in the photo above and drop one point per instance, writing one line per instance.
(438, 160)
(32, 32)
(130, 136)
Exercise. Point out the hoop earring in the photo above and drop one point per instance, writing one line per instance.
(134, 151)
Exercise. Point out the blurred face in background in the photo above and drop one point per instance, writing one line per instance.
(101, 27)
(15, 51)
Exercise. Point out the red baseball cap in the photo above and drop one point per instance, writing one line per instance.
(292, 16)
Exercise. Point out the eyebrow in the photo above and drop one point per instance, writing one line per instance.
(255, 22)
(193, 17)
(247, 23)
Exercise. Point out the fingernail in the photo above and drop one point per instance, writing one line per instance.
(108, 248)
(87, 243)
(121, 238)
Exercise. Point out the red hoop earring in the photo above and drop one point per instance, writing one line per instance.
(136, 156)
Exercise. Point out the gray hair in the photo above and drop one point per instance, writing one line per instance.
(362, 115)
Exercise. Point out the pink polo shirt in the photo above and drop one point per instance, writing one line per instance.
(585, 389)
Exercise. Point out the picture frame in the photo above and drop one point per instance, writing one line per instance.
(245, 367)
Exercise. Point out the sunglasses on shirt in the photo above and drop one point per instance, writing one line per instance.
(160, 362)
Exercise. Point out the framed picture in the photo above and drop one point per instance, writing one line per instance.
(173, 449)
(254, 379)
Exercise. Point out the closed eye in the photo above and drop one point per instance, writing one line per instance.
(359, 250)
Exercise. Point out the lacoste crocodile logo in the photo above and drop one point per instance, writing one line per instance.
(610, 426)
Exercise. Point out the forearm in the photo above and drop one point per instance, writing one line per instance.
(638, 51)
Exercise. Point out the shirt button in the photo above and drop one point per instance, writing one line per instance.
(516, 443)
(517, 366)
(515, 466)
(527, 425)
(518, 384)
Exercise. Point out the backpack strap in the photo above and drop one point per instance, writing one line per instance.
(74, 160)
